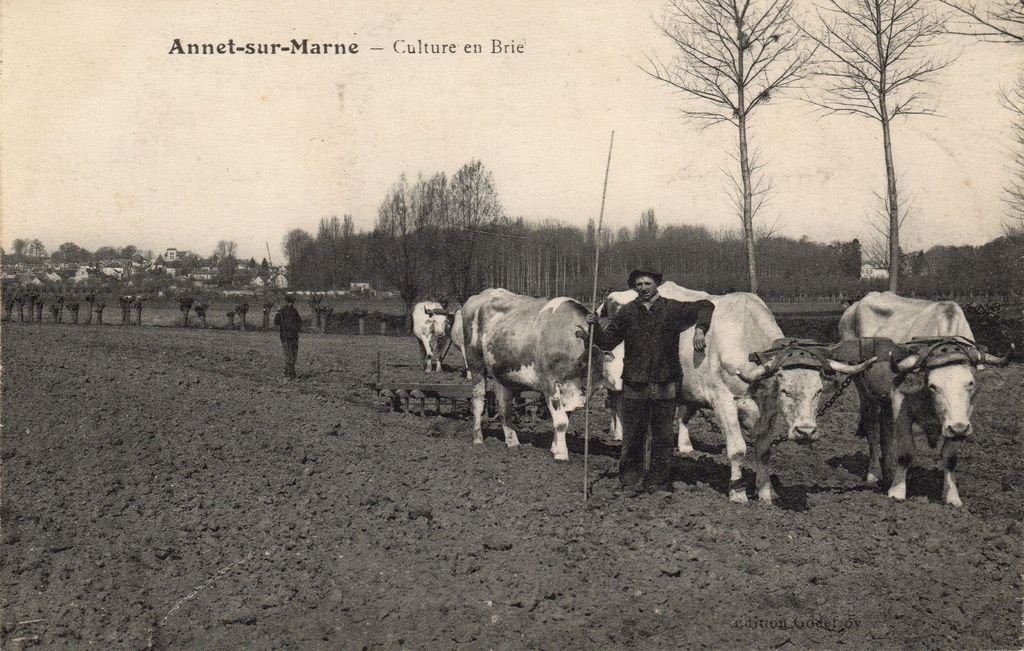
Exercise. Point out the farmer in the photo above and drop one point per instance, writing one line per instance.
(289, 322)
(651, 373)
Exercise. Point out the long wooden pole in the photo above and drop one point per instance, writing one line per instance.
(590, 335)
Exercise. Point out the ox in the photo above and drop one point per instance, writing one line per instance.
(430, 324)
(743, 395)
(931, 386)
(527, 343)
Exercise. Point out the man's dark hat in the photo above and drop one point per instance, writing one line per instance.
(637, 273)
(289, 298)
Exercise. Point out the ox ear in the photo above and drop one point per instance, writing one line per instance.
(913, 383)
(609, 357)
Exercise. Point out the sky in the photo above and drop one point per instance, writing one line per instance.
(109, 139)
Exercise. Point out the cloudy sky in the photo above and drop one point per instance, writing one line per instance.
(109, 139)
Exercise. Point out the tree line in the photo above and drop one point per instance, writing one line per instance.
(449, 237)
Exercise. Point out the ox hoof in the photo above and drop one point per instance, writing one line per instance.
(689, 453)
(954, 501)
(898, 496)
(511, 445)
(564, 456)
(479, 441)
(871, 480)
(738, 496)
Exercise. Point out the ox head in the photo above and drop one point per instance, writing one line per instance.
(440, 322)
(944, 368)
(791, 378)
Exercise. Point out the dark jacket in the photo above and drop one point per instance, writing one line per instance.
(289, 322)
(652, 336)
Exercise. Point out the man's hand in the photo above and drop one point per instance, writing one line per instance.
(698, 340)
(592, 318)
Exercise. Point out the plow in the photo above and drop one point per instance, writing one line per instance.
(447, 398)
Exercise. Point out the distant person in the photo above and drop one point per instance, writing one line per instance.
(651, 373)
(289, 323)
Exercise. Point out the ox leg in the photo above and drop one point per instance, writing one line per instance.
(560, 419)
(479, 393)
(868, 427)
(950, 494)
(505, 398)
(425, 352)
(735, 446)
(903, 444)
(437, 356)
(683, 415)
(887, 441)
(761, 432)
(615, 406)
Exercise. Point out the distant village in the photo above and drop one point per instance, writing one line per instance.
(172, 263)
(171, 269)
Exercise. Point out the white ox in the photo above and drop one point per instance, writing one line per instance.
(430, 324)
(743, 395)
(934, 391)
(526, 343)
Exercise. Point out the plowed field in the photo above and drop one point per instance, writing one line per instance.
(165, 488)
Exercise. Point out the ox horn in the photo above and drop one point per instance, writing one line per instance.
(753, 376)
(989, 358)
(908, 363)
(850, 369)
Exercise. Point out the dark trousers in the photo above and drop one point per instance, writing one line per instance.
(642, 417)
(291, 352)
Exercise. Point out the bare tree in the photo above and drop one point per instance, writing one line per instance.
(876, 60)
(876, 247)
(1014, 101)
(200, 309)
(225, 255)
(731, 57)
(330, 238)
(400, 242)
(184, 305)
(241, 311)
(1000, 21)
(474, 204)
(90, 298)
(72, 307)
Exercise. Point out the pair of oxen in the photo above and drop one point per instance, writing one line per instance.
(912, 360)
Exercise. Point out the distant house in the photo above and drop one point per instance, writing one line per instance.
(279, 280)
(869, 272)
(112, 269)
(139, 262)
(359, 287)
(204, 274)
(83, 273)
(258, 282)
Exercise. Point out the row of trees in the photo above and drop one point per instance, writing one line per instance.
(436, 239)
